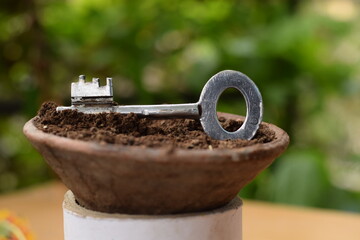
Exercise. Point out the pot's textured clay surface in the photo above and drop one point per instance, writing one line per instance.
(138, 180)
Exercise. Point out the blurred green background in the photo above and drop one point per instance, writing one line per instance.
(303, 55)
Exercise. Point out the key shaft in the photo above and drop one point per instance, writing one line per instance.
(187, 110)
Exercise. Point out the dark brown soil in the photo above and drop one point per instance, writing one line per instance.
(131, 130)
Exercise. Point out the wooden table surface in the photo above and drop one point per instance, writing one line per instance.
(41, 207)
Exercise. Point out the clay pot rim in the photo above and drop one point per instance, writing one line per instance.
(139, 153)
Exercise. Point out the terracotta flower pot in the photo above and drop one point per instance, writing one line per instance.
(137, 180)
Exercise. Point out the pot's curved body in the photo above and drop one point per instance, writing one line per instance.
(136, 180)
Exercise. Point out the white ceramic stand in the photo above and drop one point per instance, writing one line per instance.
(219, 224)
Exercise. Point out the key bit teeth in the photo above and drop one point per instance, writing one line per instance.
(109, 83)
(83, 92)
(96, 81)
(82, 78)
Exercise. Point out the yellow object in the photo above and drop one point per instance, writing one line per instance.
(13, 228)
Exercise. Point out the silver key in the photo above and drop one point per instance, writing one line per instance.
(89, 97)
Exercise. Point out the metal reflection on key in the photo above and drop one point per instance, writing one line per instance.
(89, 97)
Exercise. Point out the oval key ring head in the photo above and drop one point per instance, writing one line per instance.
(210, 96)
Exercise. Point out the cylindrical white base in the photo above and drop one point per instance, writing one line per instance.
(219, 224)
